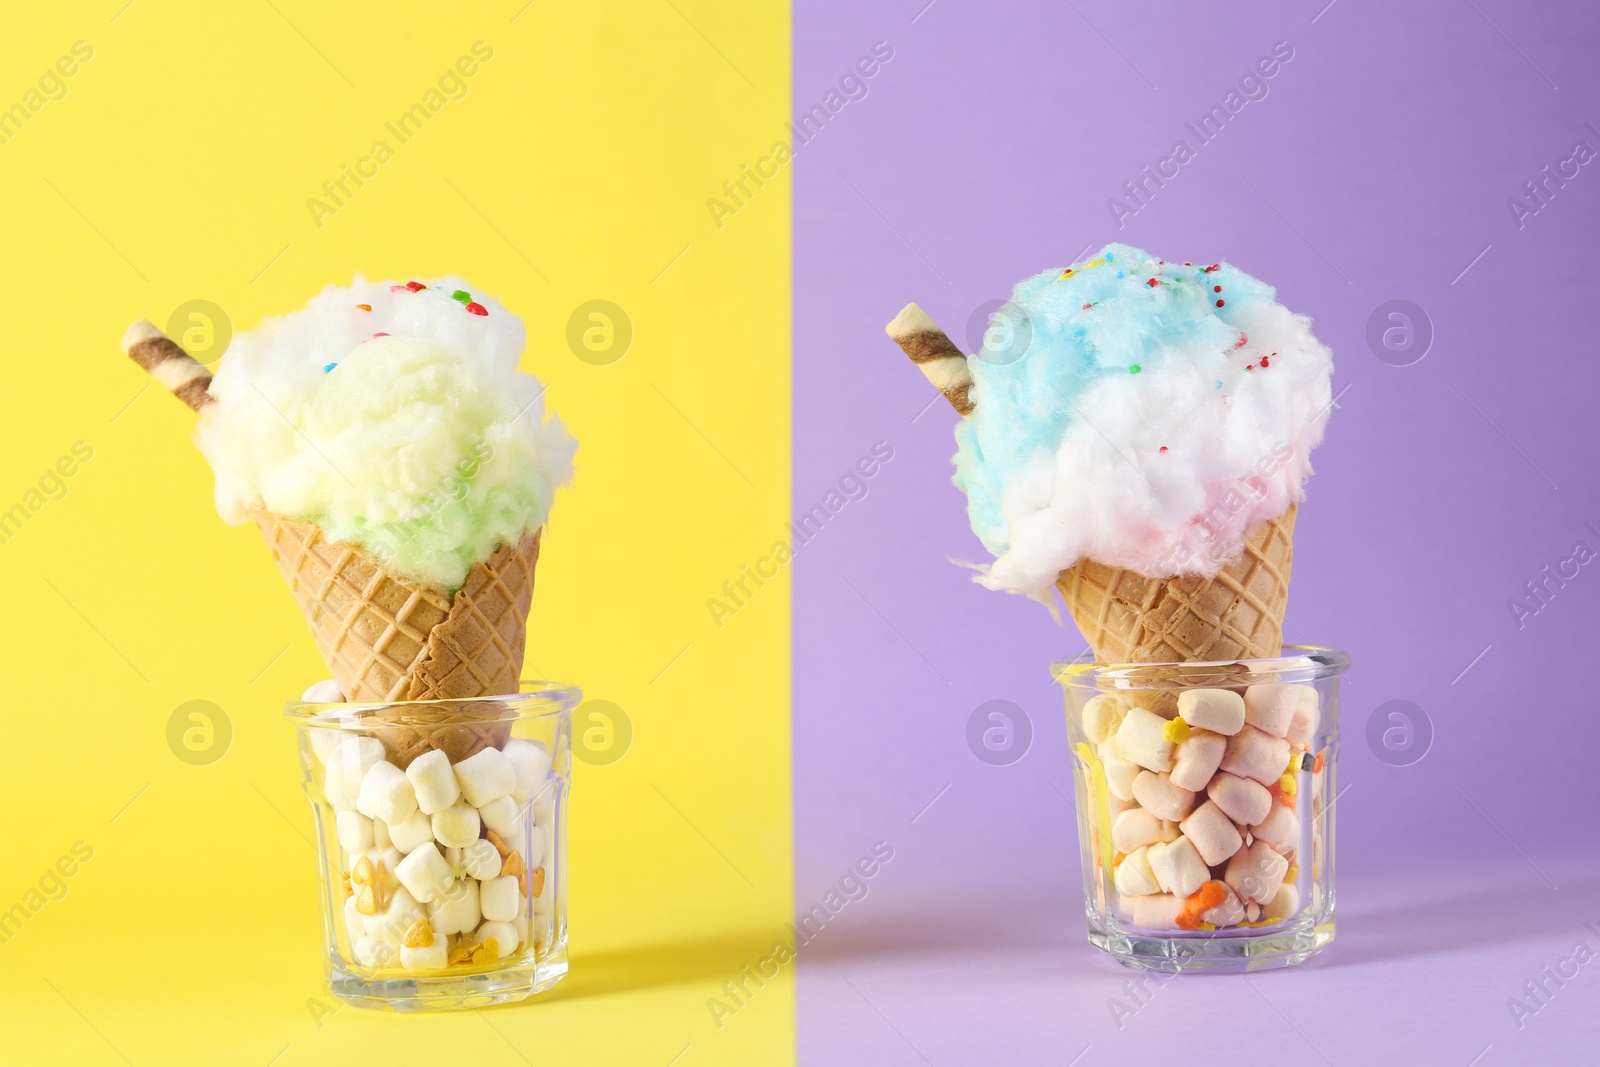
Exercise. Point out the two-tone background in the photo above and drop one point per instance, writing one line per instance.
(1437, 163)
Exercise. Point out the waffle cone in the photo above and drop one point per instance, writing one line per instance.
(386, 638)
(1128, 617)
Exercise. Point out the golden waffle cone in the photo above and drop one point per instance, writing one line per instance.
(1129, 618)
(386, 638)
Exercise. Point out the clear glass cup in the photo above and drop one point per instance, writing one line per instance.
(1205, 807)
(442, 845)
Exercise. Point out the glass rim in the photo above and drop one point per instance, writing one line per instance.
(1307, 663)
(535, 699)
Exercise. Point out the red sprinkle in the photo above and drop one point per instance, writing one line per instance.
(1214, 266)
(415, 287)
(1220, 303)
(1264, 361)
(364, 307)
(1164, 447)
(1153, 282)
(1216, 288)
(376, 335)
(1243, 340)
(477, 308)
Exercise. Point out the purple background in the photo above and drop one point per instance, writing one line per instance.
(1378, 167)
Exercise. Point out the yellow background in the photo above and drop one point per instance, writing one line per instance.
(177, 167)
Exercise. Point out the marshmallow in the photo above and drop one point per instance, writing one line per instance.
(1160, 797)
(1133, 875)
(544, 806)
(346, 766)
(1253, 754)
(1303, 726)
(380, 834)
(1178, 867)
(1134, 828)
(456, 826)
(378, 870)
(1101, 717)
(386, 794)
(499, 897)
(354, 830)
(373, 952)
(485, 776)
(323, 692)
(1270, 707)
(1219, 710)
(425, 874)
(323, 741)
(1213, 834)
(355, 923)
(480, 860)
(1158, 911)
(503, 934)
(1256, 873)
(537, 840)
(1197, 758)
(431, 957)
(391, 924)
(408, 835)
(455, 911)
(1284, 904)
(1280, 828)
(1227, 913)
(1142, 738)
(434, 782)
(1242, 800)
(531, 765)
(1252, 911)
(503, 817)
(1120, 775)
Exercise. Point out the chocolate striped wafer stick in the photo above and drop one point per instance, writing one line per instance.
(176, 370)
(937, 355)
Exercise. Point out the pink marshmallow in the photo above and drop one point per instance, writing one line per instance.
(1256, 873)
(1197, 759)
(1280, 828)
(1242, 800)
(1218, 710)
(1270, 707)
(1178, 867)
(1161, 797)
(1253, 754)
(1158, 911)
(1303, 726)
(1212, 832)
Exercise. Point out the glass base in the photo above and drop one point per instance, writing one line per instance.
(1282, 946)
(503, 985)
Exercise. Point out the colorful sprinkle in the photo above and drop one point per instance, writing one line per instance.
(1135, 369)
(364, 307)
(415, 287)
(1163, 449)
(1216, 288)
(1219, 383)
(1220, 303)
(1243, 340)
(1153, 282)
(1119, 274)
(326, 367)
(377, 335)
(396, 288)
(1109, 258)
(1176, 730)
(1214, 266)
(461, 295)
(1264, 362)
(476, 308)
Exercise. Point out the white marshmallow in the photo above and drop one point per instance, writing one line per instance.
(1158, 911)
(456, 826)
(1135, 828)
(1133, 876)
(504, 934)
(1284, 903)
(373, 952)
(1197, 758)
(1163, 799)
(355, 923)
(414, 832)
(354, 830)
(1244, 801)
(1142, 738)
(1307, 716)
(323, 692)
(434, 957)
(544, 806)
(1101, 717)
(425, 874)
(346, 766)
(1119, 776)
(386, 794)
(531, 765)
(480, 860)
(1252, 911)
(1212, 832)
(499, 897)
(1253, 754)
(434, 782)
(1280, 828)
(456, 910)
(538, 840)
(1229, 912)
(1219, 710)
(1178, 867)
(323, 741)
(485, 776)
(503, 817)
(1256, 873)
(1270, 707)
(380, 834)
(396, 918)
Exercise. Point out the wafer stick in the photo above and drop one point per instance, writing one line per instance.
(176, 371)
(929, 348)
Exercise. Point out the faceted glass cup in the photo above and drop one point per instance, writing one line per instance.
(442, 845)
(1205, 795)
